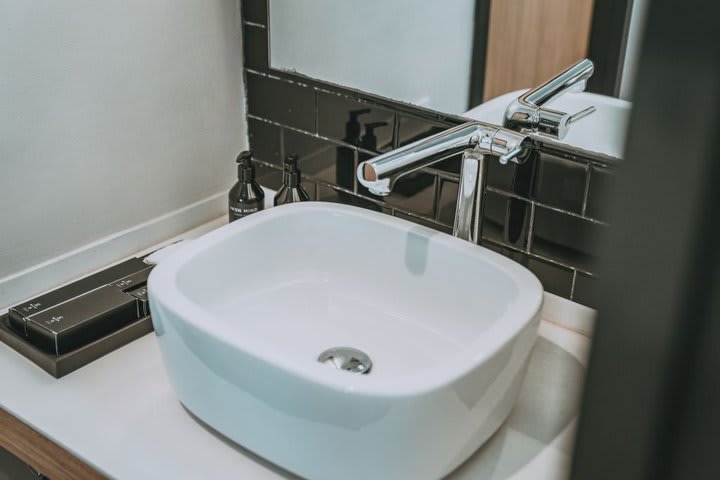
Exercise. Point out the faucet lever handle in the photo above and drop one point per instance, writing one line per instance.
(581, 114)
(511, 155)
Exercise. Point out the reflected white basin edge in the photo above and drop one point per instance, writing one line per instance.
(603, 131)
(242, 313)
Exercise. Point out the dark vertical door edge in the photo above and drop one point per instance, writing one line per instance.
(608, 38)
(652, 394)
(479, 53)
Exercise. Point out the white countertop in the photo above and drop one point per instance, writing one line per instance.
(121, 415)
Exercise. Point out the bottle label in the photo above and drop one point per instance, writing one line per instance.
(240, 211)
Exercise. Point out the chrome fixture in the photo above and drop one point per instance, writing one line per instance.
(527, 114)
(475, 140)
(348, 359)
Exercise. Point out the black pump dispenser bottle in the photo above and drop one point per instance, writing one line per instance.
(369, 141)
(291, 190)
(245, 196)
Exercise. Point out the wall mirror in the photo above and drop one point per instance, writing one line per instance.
(454, 55)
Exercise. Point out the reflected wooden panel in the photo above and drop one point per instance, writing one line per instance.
(531, 40)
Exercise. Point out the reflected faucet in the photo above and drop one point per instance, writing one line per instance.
(475, 140)
(527, 114)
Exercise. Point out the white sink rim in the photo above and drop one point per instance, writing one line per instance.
(163, 287)
(320, 422)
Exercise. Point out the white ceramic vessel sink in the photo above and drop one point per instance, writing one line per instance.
(604, 131)
(243, 313)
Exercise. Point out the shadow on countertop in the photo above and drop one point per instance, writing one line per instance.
(547, 404)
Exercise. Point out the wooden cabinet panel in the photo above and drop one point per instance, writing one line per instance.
(40, 453)
(530, 40)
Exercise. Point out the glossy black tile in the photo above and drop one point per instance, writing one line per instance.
(570, 240)
(447, 202)
(554, 278)
(585, 290)
(497, 218)
(500, 176)
(310, 187)
(325, 194)
(412, 128)
(450, 165)
(519, 180)
(255, 11)
(357, 123)
(426, 223)
(264, 141)
(268, 177)
(280, 101)
(415, 193)
(524, 175)
(319, 158)
(514, 255)
(550, 176)
(602, 181)
(560, 183)
(255, 47)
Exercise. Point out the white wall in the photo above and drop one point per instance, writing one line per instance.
(112, 113)
(417, 52)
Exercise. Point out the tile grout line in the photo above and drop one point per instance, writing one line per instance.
(282, 146)
(317, 121)
(586, 192)
(254, 24)
(356, 162)
(315, 135)
(507, 194)
(436, 199)
(394, 209)
(537, 256)
(396, 131)
(531, 228)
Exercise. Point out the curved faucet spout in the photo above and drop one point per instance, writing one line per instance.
(380, 174)
(527, 112)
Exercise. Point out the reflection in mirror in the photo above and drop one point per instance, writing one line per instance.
(397, 49)
(467, 57)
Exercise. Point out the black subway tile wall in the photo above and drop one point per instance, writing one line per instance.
(560, 183)
(255, 11)
(348, 119)
(601, 179)
(546, 214)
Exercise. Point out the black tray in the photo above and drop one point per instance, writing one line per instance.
(60, 365)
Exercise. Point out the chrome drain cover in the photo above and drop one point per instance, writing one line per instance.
(346, 358)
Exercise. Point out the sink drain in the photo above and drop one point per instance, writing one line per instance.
(346, 358)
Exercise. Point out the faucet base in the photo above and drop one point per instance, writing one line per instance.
(471, 195)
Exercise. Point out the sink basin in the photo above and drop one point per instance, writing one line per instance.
(604, 131)
(243, 313)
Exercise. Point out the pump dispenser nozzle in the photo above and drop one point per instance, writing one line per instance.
(245, 168)
(291, 190)
(291, 171)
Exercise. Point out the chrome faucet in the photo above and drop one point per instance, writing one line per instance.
(527, 114)
(475, 140)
